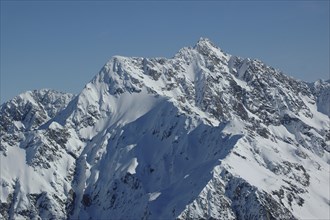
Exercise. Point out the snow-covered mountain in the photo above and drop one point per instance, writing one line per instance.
(203, 135)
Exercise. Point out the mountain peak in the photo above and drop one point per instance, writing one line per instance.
(205, 44)
(204, 40)
(202, 134)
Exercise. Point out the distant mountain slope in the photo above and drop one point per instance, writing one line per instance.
(199, 136)
(31, 109)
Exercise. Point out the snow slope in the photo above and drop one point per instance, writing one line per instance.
(201, 135)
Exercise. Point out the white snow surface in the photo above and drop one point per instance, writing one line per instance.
(201, 135)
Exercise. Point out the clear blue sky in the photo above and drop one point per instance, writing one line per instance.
(62, 45)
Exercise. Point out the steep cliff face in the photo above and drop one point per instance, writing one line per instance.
(201, 135)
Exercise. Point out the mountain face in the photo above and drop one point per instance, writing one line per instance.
(28, 111)
(203, 135)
